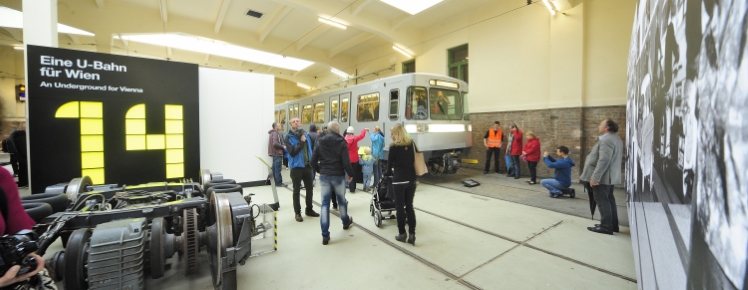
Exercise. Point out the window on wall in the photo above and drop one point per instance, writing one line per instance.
(409, 66)
(306, 114)
(368, 108)
(394, 103)
(416, 104)
(457, 60)
(319, 113)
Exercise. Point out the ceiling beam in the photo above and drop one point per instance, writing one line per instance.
(124, 41)
(168, 52)
(100, 4)
(164, 11)
(207, 57)
(221, 15)
(358, 6)
(75, 38)
(274, 20)
(312, 36)
(350, 43)
(397, 22)
(241, 62)
(15, 34)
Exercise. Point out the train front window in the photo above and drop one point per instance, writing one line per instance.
(344, 110)
(445, 104)
(306, 114)
(416, 104)
(368, 108)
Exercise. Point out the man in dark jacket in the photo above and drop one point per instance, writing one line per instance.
(19, 140)
(313, 136)
(331, 160)
(299, 154)
(275, 150)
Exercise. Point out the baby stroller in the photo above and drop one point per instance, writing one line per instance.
(382, 200)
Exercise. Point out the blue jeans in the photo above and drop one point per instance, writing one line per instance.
(553, 186)
(367, 180)
(332, 185)
(277, 165)
(377, 172)
(515, 165)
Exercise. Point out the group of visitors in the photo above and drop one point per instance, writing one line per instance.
(336, 158)
(602, 168)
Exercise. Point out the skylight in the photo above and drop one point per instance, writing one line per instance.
(413, 7)
(219, 48)
(14, 19)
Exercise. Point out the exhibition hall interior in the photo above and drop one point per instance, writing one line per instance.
(370, 144)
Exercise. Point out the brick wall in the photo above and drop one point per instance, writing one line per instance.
(575, 128)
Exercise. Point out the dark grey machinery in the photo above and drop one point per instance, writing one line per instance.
(117, 236)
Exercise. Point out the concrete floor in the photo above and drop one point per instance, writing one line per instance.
(465, 240)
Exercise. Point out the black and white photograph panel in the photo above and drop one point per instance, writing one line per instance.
(688, 148)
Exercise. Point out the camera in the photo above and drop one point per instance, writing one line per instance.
(15, 250)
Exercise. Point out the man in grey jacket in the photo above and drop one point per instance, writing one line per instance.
(275, 150)
(602, 170)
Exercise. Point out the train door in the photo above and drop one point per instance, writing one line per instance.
(345, 110)
(335, 108)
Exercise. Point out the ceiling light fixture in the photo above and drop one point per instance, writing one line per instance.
(18, 47)
(219, 48)
(412, 7)
(14, 19)
(550, 8)
(333, 23)
(340, 73)
(400, 50)
(303, 86)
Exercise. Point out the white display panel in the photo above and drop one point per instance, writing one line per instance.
(236, 112)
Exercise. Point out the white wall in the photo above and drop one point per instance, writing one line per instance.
(236, 111)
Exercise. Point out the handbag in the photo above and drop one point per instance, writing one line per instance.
(418, 161)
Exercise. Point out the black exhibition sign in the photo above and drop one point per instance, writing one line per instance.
(117, 119)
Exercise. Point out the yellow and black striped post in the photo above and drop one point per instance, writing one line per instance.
(275, 229)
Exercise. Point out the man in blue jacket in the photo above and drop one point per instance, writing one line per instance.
(299, 154)
(562, 176)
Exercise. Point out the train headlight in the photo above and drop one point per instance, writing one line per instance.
(415, 128)
(446, 128)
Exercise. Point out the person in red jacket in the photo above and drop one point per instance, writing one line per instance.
(516, 151)
(531, 153)
(352, 141)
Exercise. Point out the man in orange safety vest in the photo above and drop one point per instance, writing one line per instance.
(493, 140)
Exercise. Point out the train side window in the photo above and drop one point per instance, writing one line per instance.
(277, 114)
(282, 117)
(368, 108)
(319, 113)
(344, 110)
(394, 103)
(296, 110)
(333, 110)
(306, 114)
(416, 104)
(465, 105)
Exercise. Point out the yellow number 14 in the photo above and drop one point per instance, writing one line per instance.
(92, 136)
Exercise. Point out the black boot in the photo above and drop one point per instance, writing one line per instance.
(412, 239)
(401, 237)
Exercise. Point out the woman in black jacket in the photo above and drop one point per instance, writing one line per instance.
(400, 167)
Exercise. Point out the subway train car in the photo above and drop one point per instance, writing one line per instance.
(432, 108)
